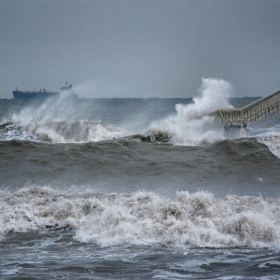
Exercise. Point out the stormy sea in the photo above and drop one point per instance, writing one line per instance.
(138, 189)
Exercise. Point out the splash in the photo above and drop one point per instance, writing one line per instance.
(192, 124)
(58, 120)
(82, 131)
(63, 119)
(194, 220)
(59, 107)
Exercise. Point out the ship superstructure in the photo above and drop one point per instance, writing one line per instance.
(42, 93)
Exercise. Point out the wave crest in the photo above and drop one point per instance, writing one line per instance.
(192, 124)
(61, 131)
(197, 220)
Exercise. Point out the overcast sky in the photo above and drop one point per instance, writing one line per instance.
(139, 48)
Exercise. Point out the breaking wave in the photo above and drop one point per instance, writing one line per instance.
(57, 120)
(193, 220)
(192, 124)
(59, 131)
(272, 141)
(269, 137)
(61, 120)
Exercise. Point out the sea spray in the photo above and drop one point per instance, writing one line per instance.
(57, 120)
(192, 124)
(100, 88)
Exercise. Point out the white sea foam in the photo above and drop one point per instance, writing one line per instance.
(61, 131)
(271, 140)
(269, 136)
(192, 124)
(197, 219)
(57, 121)
(11, 131)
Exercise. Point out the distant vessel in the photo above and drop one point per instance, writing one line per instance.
(42, 93)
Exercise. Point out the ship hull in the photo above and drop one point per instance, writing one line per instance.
(33, 95)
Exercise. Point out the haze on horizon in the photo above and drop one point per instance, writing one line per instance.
(139, 48)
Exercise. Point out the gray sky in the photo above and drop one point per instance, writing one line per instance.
(139, 48)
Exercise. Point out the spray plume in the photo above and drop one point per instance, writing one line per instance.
(192, 124)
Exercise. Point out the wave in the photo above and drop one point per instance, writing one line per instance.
(61, 131)
(192, 124)
(193, 220)
(272, 141)
(245, 144)
(61, 120)
(58, 120)
(270, 137)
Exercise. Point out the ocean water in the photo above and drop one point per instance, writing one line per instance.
(137, 189)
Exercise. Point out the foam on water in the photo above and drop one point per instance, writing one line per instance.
(62, 131)
(57, 121)
(11, 132)
(192, 124)
(270, 137)
(196, 220)
(272, 141)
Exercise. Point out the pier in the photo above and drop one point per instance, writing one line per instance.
(255, 111)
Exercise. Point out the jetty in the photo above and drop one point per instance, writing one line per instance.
(255, 111)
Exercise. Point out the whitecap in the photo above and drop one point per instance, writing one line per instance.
(189, 220)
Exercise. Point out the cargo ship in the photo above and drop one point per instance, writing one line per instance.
(40, 94)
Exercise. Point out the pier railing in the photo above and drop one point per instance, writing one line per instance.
(257, 110)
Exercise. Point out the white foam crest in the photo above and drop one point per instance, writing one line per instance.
(82, 131)
(272, 141)
(192, 124)
(54, 121)
(197, 219)
(11, 132)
